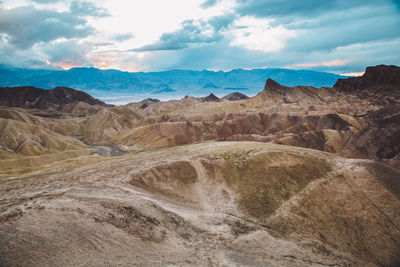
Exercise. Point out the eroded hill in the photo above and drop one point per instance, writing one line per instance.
(328, 119)
(346, 120)
(226, 203)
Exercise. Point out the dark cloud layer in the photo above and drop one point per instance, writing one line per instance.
(27, 34)
(86, 9)
(122, 37)
(209, 3)
(190, 34)
(329, 24)
(320, 25)
(222, 22)
(347, 33)
(295, 9)
(351, 27)
(27, 25)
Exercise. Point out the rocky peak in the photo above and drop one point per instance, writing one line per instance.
(210, 97)
(377, 78)
(32, 97)
(235, 96)
(143, 104)
(383, 74)
(272, 85)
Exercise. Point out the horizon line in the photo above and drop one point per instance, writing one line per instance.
(8, 67)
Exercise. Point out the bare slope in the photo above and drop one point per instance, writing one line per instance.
(226, 203)
(30, 143)
(318, 118)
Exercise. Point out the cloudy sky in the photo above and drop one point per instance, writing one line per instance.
(341, 36)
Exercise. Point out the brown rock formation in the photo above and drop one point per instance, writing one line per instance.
(210, 97)
(378, 78)
(235, 96)
(32, 97)
(142, 104)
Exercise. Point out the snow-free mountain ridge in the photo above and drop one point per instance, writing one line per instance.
(115, 87)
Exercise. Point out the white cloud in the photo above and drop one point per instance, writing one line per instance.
(330, 63)
(258, 34)
(353, 74)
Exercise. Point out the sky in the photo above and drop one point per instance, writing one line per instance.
(338, 36)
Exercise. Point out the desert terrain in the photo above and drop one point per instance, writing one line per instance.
(294, 176)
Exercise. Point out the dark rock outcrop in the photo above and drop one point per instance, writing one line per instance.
(143, 104)
(379, 84)
(32, 97)
(235, 96)
(381, 78)
(210, 97)
(271, 85)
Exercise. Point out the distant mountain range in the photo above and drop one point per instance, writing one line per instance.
(117, 87)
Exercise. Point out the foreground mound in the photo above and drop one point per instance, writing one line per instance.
(226, 203)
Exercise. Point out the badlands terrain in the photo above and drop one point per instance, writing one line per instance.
(294, 176)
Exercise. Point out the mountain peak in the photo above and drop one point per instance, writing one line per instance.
(33, 97)
(272, 85)
(376, 78)
(210, 97)
(235, 96)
